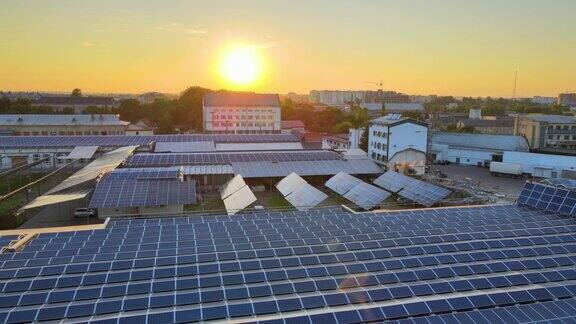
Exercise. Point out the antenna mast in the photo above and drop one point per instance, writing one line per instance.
(515, 83)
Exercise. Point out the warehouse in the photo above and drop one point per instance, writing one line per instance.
(63, 125)
(473, 149)
(543, 165)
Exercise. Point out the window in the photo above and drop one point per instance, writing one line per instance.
(558, 127)
(566, 137)
(550, 137)
(565, 127)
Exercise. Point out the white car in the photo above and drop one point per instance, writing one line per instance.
(84, 213)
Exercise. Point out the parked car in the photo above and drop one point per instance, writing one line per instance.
(84, 213)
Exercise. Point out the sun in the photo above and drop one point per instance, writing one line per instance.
(241, 66)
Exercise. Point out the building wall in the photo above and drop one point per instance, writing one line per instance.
(409, 159)
(326, 141)
(140, 132)
(529, 161)
(10, 157)
(355, 135)
(546, 136)
(254, 120)
(385, 141)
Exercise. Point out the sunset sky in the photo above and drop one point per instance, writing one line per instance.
(457, 47)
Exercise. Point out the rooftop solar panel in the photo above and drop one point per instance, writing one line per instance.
(300, 193)
(492, 264)
(173, 159)
(342, 182)
(115, 193)
(424, 193)
(127, 140)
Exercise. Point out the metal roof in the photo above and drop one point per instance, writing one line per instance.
(389, 107)
(241, 99)
(553, 119)
(481, 141)
(61, 120)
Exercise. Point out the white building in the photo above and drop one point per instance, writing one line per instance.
(543, 165)
(474, 149)
(355, 137)
(241, 113)
(398, 143)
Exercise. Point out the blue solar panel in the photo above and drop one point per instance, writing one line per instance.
(175, 159)
(126, 140)
(469, 263)
(548, 197)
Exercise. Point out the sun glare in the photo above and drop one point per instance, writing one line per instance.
(241, 66)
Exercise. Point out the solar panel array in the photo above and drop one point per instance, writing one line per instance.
(357, 191)
(494, 264)
(554, 199)
(415, 190)
(126, 140)
(114, 193)
(269, 169)
(173, 159)
(144, 173)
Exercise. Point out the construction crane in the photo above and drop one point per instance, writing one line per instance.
(379, 84)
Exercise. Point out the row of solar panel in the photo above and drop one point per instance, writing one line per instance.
(142, 174)
(450, 304)
(300, 246)
(296, 246)
(303, 234)
(146, 159)
(125, 140)
(535, 271)
(557, 200)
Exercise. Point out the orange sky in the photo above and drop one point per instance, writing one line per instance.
(464, 48)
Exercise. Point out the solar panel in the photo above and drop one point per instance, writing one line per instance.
(357, 191)
(236, 195)
(144, 173)
(114, 193)
(366, 196)
(300, 193)
(342, 182)
(424, 193)
(490, 264)
(270, 169)
(128, 140)
(393, 181)
(564, 183)
(545, 197)
(174, 159)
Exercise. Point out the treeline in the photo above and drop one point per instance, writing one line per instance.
(494, 106)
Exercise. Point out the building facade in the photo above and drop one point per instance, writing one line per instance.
(567, 99)
(392, 135)
(77, 104)
(58, 125)
(338, 141)
(502, 126)
(552, 133)
(241, 113)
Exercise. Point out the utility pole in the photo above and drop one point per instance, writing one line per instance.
(515, 84)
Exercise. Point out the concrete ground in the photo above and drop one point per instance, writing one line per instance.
(478, 180)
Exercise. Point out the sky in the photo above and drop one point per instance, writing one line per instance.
(444, 47)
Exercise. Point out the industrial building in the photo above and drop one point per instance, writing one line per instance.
(397, 142)
(241, 113)
(76, 103)
(543, 165)
(473, 149)
(63, 125)
(497, 126)
(548, 133)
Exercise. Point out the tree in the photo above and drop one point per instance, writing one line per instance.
(364, 140)
(414, 114)
(165, 125)
(76, 93)
(342, 127)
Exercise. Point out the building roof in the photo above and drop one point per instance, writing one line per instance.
(395, 119)
(70, 100)
(241, 99)
(291, 124)
(504, 264)
(61, 120)
(342, 138)
(397, 107)
(481, 141)
(502, 122)
(552, 119)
